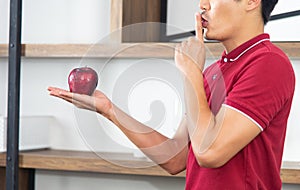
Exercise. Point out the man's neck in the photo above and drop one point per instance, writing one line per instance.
(244, 35)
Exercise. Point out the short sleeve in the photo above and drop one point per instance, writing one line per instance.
(262, 88)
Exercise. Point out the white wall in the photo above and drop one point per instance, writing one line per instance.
(71, 21)
(87, 21)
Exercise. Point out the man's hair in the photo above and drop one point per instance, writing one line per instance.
(267, 7)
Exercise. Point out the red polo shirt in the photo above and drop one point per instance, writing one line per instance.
(257, 80)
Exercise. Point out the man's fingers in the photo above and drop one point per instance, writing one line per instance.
(79, 100)
(198, 26)
(57, 91)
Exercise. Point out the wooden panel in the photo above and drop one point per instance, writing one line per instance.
(24, 179)
(116, 14)
(290, 48)
(290, 172)
(125, 50)
(2, 178)
(125, 14)
(142, 12)
(78, 161)
(88, 162)
(116, 20)
(291, 176)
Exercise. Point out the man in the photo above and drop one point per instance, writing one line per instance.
(232, 136)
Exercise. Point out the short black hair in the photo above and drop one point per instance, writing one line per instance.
(267, 7)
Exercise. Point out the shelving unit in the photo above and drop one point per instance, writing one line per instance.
(121, 15)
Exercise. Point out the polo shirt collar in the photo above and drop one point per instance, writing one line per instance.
(242, 49)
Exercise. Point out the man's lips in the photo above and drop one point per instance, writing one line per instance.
(204, 22)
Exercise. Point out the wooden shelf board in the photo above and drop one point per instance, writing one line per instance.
(290, 172)
(81, 161)
(124, 50)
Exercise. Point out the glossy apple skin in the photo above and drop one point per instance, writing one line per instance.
(83, 80)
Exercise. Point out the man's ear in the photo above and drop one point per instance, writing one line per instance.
(253, 4)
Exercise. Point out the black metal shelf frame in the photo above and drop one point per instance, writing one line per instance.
(13, 104)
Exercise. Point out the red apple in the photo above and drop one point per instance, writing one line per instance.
(83, 80)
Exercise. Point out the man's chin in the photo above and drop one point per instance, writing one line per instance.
(207, 36)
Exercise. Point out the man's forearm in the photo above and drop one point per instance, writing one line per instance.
(200, 117)
(156, 146)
